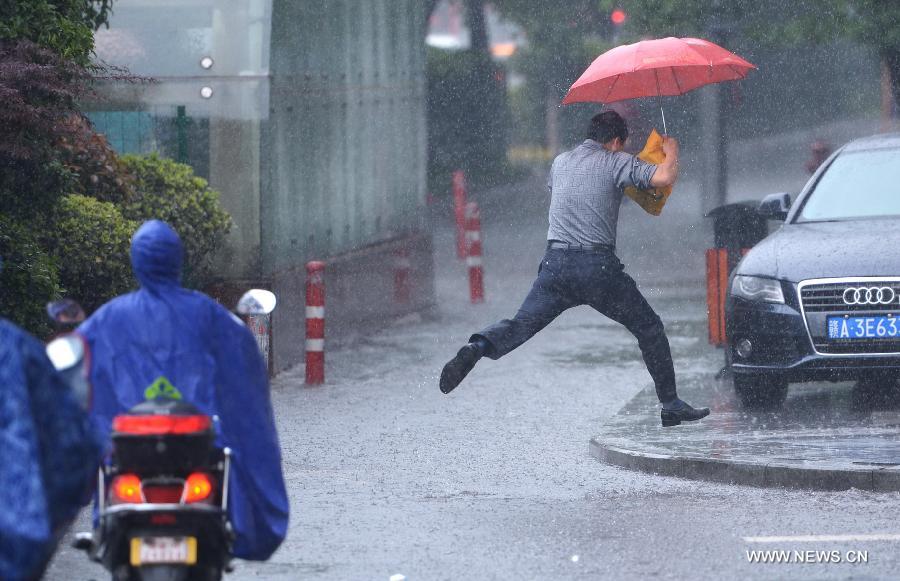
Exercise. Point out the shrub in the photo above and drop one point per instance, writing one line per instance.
(91, 246)
(167, 190)
(38, 91)
(47, 147)
(467, 118)
(96, 169)
(64, 26)
(28, 278)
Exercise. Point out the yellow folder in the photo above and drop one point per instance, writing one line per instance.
(652, 200)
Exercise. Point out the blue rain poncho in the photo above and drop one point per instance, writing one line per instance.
(167, 340)
(49, 455)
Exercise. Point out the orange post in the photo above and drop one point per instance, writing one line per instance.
(716, 291)
(723, 291)
(459, 209)
(719, 264)
(401, 276)
(712, 295)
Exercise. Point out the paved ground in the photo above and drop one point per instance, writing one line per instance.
(388, 476)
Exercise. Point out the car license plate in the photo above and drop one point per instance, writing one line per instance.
(863, 327)
(158, 550)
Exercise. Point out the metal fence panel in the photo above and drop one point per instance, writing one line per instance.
(343, 147)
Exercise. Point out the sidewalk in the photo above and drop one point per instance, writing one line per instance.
(827, 437)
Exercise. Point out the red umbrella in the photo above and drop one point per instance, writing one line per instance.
(656, 68)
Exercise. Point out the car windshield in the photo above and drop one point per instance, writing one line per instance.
(856, 185)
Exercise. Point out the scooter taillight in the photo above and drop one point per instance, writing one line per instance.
(160, 425)
(126, 488)
(197, 487)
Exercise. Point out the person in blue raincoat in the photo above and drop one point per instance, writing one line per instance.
(166, 340)
(49, 455)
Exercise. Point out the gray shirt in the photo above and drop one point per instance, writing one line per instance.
(586, 188)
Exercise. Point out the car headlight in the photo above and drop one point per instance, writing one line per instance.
(755, 288)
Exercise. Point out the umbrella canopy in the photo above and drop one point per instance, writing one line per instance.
(656, 68)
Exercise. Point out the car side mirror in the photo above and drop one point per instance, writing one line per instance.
(775, 206)
(65, 352)
(256, 302)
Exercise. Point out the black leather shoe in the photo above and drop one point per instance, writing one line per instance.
(459, 367)
(683, 414)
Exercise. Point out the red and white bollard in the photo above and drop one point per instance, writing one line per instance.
(315, 323)
(459, 210)
(473, 253)
(401, 276)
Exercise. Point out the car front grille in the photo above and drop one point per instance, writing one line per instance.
(829, 298)
(820, 300)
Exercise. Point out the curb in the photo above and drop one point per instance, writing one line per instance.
(799, 474)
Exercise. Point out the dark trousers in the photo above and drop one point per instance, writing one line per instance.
(569, 278)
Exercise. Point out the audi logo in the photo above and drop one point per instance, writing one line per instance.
(872, 295)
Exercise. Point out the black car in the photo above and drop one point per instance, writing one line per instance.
(819, 299)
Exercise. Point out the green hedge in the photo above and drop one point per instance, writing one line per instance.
(169, 191)
(91, 245)
(28, 279)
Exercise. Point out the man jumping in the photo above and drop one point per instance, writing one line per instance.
(580, 266)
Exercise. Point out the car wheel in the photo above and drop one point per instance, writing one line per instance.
(758, 392)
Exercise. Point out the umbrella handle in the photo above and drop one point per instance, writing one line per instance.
(663, 113)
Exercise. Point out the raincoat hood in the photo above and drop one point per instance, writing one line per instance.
(156, 255)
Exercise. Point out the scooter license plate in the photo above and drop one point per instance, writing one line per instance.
(163, 550)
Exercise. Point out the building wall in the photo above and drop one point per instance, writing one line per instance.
(343, 163)
(209, 61)
(344, 144)
(310, 121)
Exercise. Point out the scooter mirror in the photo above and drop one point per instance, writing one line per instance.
(256, 302)
(65, 311)
(65, 352)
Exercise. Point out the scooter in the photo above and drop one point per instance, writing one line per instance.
(162, 499)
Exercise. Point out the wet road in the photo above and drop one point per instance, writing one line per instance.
(389, 477)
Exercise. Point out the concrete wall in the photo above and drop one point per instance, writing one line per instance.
(360, 296)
